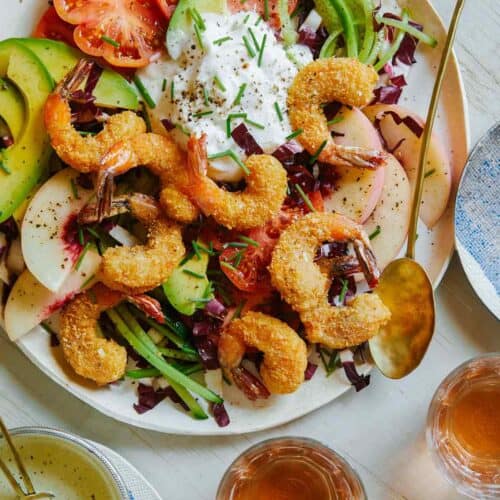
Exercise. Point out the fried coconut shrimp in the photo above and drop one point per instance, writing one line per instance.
(163, 157)
(285, 354)
(343, 80)
(138, 269)
(261, 199)
(302, 284)
(83, 153)
(90, 355)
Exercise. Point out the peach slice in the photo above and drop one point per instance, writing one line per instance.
(357, 190)
(388, 224)
(49, 230)
(405, 145)
(30, 303)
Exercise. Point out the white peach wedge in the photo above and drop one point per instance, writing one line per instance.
(401, 130)
(388, 224)
(29, 302)
(50, 243)
(357, 190)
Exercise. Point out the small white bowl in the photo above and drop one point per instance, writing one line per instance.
(91, 456)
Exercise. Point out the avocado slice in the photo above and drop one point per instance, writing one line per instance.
(112, 90)
(189, 281)
(25, 161)
(12, 108)
(180, 26)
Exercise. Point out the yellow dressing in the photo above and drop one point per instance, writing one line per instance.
(58, 467)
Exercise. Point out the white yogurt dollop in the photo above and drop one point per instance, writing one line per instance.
(219, 77)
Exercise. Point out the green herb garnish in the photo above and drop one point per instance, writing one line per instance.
(110, 41)
(294, 134)
(375, 233)
(261, 51)
(231, 154)
(219, 84)
(248, 240)
(315, 156)
(144, 92)
(220, 41)
(239, 95)
(305, 198)
(250, 51)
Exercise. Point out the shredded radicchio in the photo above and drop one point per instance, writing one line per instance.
(410, 122)
(220, 414)
(313, 39)
(215, 309)
(336, 290)
(9, 228)
(388, 94)
(168, 124)
(207, 349)
(245, 140)
(357, 380)
(148, 398)
(310, 370)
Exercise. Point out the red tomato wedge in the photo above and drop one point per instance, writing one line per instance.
(260, 7)
(167, 7)
(126, 33)
(53, 27)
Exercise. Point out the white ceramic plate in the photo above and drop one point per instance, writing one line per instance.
(434, 250)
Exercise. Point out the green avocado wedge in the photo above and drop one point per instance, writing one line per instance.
(12, 108)
(112, 90)
(187, 287)
(23, 163)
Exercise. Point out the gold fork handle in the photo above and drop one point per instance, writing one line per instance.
(24, 473)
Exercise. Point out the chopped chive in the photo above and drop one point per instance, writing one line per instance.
(239, 95)
(375, 233)
(315, 156)
(345, 286)
(164, 85)
(196, 249)
(203, 248)
(144, 92)
(237, 258)
(255, 124)
(47, 328)
(294, 134)
(233, 156)
(82, 255)
(186, 259)
(5, 168)
(306, 199)
(145, 115)
(206, 99)
(172, 90)
(266, 10)
(202, 113)
(192, 273)
(332, 363)
(250, 51)
(230, 117)
(237, 311)
(254, 39)
(87, 281)
(81, 238)
(195, 14)
(248, 240)
(93, 232)
(261, 51)
(198, 36)
(219, 84)
(236, 244)
(201, 300)
(110, 41)
(259, 19)
(182, 129)
(278, 111)
(74, 189)
(229, 266)
(224, 296)
(220, 41)
(429, 173)
(246, 18)
(335, 120)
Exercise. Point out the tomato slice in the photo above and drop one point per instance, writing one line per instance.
(167, 7)
(126, 33)
(53, 27)
(247, 268)
(260, 7)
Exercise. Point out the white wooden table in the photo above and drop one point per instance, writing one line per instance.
(380, 430)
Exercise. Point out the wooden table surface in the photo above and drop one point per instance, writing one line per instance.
(381, 430)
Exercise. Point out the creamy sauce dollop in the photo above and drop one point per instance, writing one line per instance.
(201, 89)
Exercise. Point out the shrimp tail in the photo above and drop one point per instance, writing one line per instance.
(352, 156)
(197, 160)
(70, 83)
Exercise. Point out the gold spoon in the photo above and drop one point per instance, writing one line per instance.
(30, 494)
(404, 286)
